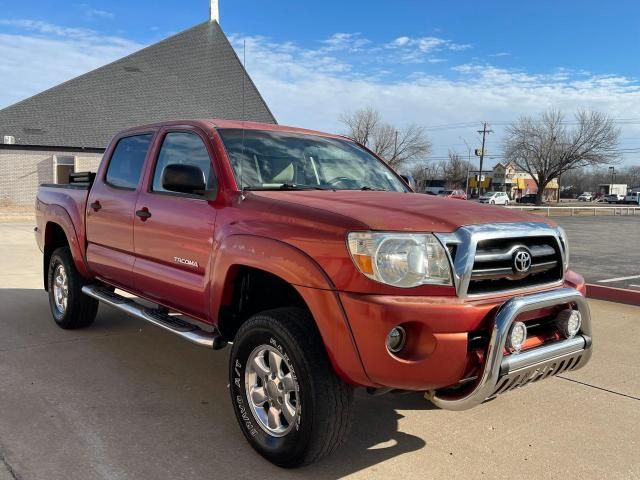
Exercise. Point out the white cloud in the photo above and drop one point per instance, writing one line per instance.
(310, 88)
(417, 49)
(38, 55)
(404, 78)
(426, 44)
(400, 42)
(352, 42)
(99, 13)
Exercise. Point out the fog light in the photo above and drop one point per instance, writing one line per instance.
(569, 322)
(396, 339)
(517, 336)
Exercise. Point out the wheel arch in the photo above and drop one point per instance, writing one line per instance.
(59, 232)
(284, 272)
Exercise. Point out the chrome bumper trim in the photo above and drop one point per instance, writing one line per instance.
(503, 373)
(543, 354)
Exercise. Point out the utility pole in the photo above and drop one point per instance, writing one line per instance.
(466, 185)
(484, 132)
(613, 174)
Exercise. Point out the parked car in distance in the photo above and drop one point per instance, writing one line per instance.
(528, 198)
(317, 264)
(459, 194)
(586, 197)
(494, 198)
(614, 198)
(632, 197)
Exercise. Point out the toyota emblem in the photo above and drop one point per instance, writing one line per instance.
(522, 261)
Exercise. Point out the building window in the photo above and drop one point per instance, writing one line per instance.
(63, 167)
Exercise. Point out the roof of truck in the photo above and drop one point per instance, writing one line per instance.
(208, 123)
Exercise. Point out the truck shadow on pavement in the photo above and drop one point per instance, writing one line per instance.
(128, 386)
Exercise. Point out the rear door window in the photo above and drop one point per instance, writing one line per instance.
(127, 161)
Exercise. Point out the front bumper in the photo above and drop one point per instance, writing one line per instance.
(442, 329)
(504, 372)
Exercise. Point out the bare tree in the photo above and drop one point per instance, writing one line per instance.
(590, 179)
(397, 146)
(633, 176)
(362, 124)
(546, 148)
(424, 172)
(456, 170)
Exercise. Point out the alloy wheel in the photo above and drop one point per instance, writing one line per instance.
(272, 390)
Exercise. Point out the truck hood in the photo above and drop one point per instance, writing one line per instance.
(399, 211)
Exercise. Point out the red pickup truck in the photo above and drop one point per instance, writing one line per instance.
(320, 266)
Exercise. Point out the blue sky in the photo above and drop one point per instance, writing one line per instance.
(432, 63)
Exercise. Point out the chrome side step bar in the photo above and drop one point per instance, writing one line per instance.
(157, 317)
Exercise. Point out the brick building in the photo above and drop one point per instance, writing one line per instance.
(194, 74)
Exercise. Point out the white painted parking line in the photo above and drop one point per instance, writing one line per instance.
(619, 279)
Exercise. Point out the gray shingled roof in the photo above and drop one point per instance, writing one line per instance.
(194, 74)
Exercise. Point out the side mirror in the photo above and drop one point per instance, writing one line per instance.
(182, 178)
(409, 180)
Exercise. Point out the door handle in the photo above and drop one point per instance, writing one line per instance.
(96, 206)
(144, 213)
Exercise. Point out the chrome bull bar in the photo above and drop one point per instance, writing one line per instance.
(502, 373)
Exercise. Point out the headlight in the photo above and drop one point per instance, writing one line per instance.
(400, 259)
(565, 246)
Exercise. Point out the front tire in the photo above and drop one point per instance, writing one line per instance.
(290, 405)
(70, 307)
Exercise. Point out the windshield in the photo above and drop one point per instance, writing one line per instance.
(281, 160)
(490, 194)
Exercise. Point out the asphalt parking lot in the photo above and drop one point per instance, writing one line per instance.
(124, 400)
(605, 249)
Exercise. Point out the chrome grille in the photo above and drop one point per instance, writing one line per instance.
(482, 257)
(494, 270)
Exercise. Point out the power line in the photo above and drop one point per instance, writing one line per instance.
(502, 123)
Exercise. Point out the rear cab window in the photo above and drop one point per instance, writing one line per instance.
(127, 160)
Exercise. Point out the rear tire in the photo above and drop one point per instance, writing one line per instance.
(70, 307)
(297, 410)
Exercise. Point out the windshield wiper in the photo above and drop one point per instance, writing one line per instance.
(296, 186)
(367, 187)
(290, 186)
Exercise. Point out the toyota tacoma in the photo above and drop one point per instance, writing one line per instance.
(320, 266)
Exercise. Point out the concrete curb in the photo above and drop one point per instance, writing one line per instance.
(611, 294)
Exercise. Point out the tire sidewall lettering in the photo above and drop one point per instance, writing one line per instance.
(245, 413)
(275, 344)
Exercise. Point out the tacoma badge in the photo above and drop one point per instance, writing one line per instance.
(186, 261)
